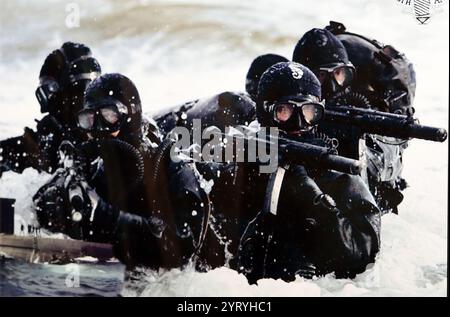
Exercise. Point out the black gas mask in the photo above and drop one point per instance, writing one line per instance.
(335, 79)
(57, 93)
(296, 114)
(48, 95)
(101, 119)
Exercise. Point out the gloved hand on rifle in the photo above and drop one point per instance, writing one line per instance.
(65, 204)
(68, 205)
(309, 193)
(49, 125)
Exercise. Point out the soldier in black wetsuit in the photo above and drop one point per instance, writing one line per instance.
(385, 86)
(296, 221)
(131, 194)
(311, 221)
(325, 221)
(388, 80)
(240, 192)
(62, 80)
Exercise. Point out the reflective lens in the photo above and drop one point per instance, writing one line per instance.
(86, 119)
(110, 114)
(312, 113)
(340, 75)
(283, 112)
(106, 117)
(343, 75)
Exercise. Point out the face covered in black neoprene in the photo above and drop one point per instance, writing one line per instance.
(112, 108)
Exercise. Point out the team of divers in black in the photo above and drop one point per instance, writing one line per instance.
(343, 109)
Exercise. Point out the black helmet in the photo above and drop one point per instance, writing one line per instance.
(53, 71)
(73, 51)
(77, 76)
(320, 48)
(112, 103)
(257, 68)
(325, 55)
(383, 73)
(287, 88)
(80, 70)
(56, 62)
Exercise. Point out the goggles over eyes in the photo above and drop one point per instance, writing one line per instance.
(102, 116)
(84, 76)
(342, 74)
(311, 111)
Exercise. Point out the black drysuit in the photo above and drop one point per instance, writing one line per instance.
(303, 237)
(307, 234)
(150, 221)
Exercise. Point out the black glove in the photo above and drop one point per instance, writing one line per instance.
(49, 125)
(309, 193)
(52, 208)
(63, 205)
(316, 205)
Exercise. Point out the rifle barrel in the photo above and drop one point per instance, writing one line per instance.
(318, 156)
(383, 123)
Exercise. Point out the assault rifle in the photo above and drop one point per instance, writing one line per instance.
(382, 123)
(301, 151)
